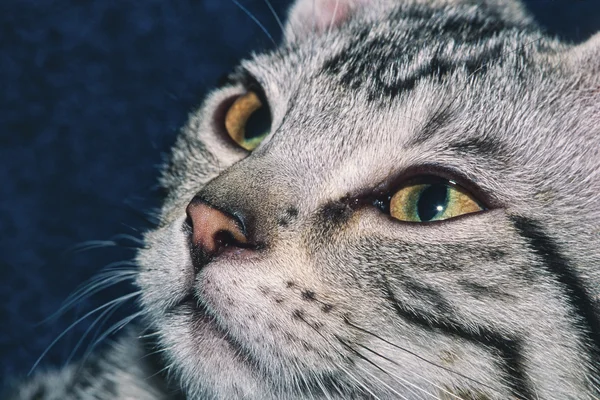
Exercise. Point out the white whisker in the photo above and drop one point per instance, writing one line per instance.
(106, 313)
(416, 355)
(112, 329)
(397, 378)
(361, 386)
(303, 378)
(406, 381)
(335, 10)
(365, 371)
(323, 388)
(90, 245)
(268, 3)
(101, 281)
(131, 238)
(253, 18)
(120, 299)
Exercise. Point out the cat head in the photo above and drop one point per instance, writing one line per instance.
(399, 201)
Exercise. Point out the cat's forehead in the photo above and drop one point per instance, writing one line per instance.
(388, 51)
(384, 70)
(366, 91)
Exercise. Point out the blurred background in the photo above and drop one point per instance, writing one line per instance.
(92, 96)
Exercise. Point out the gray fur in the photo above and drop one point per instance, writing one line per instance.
(347, 303)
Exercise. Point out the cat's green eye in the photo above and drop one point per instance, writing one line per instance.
(425, 202)
(248, 121)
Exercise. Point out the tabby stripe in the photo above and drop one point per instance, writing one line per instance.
(555, 263)
(462, 26)
(508, 349)
(478, 36)
(354, 73)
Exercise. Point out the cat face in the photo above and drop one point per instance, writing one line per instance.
(308, 253)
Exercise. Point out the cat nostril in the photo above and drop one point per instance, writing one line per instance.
(212, 229)
(225, 238)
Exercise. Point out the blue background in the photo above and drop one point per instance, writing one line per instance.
(92, 96)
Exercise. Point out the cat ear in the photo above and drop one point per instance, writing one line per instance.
(319, 16)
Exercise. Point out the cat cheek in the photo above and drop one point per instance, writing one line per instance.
(165, 280)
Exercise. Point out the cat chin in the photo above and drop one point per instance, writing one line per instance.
(210, 363)
(204, 362)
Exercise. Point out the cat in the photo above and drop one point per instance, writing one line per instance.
(399, 202)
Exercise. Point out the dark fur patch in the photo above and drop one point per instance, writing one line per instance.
(480, 291)
(508, 350)
(432, 126)
(586, 315)
(326, 308)
(378, 63)
(308, 295)
(287, 216)
(335, 213)
(427, 295)
(481, 147)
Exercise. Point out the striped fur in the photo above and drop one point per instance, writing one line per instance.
(342, 302)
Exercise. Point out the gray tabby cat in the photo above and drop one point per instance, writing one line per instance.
(400, 202)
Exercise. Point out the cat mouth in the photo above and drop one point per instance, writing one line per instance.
(202, 315)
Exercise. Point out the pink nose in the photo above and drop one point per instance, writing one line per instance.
(213, 230)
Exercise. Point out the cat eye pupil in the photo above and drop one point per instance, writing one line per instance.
(432, 202)
(258, 123)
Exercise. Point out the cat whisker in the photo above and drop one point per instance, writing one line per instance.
(395, 363)
(131, 238)
(167, 368)
(365, 371)
(104, 316)
(148, 335)
(330, 27)
(347, 321)
(111, 330)
(323, 388)
(89, 245)
(253, 18)
(112, 242)
(159, 351)
(109, 277)
(277, 19)
(64, 332)
(361, 386)
(298, 374)
(100, 282)
(134, 229)
(396, 378)
(105, 320)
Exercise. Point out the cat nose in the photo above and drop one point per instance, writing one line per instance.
(214, 230)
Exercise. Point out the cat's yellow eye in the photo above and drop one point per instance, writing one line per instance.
(248, 121)
(425, 202)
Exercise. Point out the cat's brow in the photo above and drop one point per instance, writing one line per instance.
(431, 126)
(480, 147)
(471, 146)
